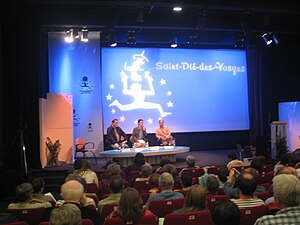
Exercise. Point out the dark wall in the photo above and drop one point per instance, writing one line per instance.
(24, 76)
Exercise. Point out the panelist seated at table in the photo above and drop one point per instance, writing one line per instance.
(139, 135)
(116, 137)
(163, 134)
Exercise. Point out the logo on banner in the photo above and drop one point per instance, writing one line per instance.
(85, 85)
(76, 119)
(90, 127)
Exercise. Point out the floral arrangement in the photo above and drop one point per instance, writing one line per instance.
(53, 149)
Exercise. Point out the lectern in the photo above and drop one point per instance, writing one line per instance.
(278, 130)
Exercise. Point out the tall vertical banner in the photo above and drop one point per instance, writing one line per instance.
(74, 68)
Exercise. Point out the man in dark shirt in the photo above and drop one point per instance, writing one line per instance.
(115, 136)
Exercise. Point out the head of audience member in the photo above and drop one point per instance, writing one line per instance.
(170, 168)
(225, 212)
(166, 181)
(77, 164)
(139, 158)
(116, 184)
(154, 180)
(256, 164)
(130, 207)
(85, 165)
(212, 184)
(190, 161)
(77, 177)
(164, 161)
(286, 189)
(195, 199)
(24, 192)
(232, 156)
(38, 184)
(186, 179)
(261, 158)
(253, 171)
(223, 173)
(71, 191)
(287, 170)
(66, 214)
(113, 169)
(146, 170)
(246, 184)
(108, 162)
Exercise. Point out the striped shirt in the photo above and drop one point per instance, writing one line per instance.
(286, 216)
(244, 203)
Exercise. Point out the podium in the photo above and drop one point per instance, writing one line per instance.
(278, 130)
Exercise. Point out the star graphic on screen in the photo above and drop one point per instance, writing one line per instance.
(113, 111)
(150, 121)
(122, 118)
(170, 104)
(169, 93)
(109, 97)
(163, 82)
(111, 86)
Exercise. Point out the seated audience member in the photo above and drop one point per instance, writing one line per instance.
(256, 164)
(163, 161)
(138, 161)
(225, 212)
(38, 185)
(186, 181)
(190, 162)
(66, 214)
(146, 171)
(116, 185)
(72, 191)
(286, 194)
(116, 137)
(246, 186)
(212, 185)
(297, 167)
(139, 135)
(24, 194)
(85, 200)
(195, 200)
(163, 134)
(166, 183)
(130, 207)
(87, 173)
(170, 168)
(234, 161)
(154, 183)
(223, 173)
(283, 161)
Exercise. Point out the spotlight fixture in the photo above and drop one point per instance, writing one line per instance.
(84, 35)
(174, 42)
(177, 8)
(69, 36)
(270, 38)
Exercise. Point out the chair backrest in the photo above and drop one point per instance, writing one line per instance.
(92, 188)
(30, 215)
(133, 175)
(267, 167)
(195, 172)
(212, 199)
(145, 196)
(250, 214)
(94, 197)
(184, 192)
(107, 209)
(144, 220)
(142, 185)
(240, 168)
(104, 175)
(163, 207)
(264, 195)
(17, 223)
(189, 218)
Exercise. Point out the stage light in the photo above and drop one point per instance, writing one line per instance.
(174, 42)
(177, 8)
(84, 35)
(113, 44)
(267, 37)
(275, 39)
(69, 36)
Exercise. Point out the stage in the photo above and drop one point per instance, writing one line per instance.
(153, 154)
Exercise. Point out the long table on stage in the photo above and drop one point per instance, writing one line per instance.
(152, 154)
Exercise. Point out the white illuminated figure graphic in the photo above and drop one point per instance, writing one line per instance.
(133, 72)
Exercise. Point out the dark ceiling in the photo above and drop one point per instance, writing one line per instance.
(206, 23)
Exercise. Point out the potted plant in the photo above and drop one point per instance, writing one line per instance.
(281, 146)
(52, 153)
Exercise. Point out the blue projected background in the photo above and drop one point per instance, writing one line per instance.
(192, 90)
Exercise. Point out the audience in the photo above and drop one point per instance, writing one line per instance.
(154, 183)
(146, 171)
(163, 161)
(38, 185)
(87, 173)
(212, 185)
(116, 185)
(225, 212)
(195, 200)
(24, 194)
(233, 161)
(68, 214)
(138, 161)
(166, 183)
(130, 207)
(287, 198)
(246, 185)
(190, 162)
(256, 164)
(186, 181)
(223, 173)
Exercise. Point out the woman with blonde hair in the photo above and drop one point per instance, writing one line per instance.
(130, 207)
(195, 200)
